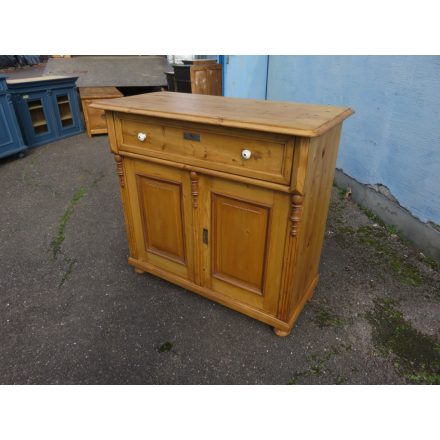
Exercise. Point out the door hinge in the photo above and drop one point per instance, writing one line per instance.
(205, 236)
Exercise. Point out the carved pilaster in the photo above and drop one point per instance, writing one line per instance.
(194, 188)
(295, 212)
(120, 169)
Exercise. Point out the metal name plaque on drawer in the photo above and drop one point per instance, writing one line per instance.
(191, 136)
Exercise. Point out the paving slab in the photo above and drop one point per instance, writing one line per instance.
(72, 311)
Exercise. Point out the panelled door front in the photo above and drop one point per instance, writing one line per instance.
(66, 105)
(242, 225)
(160, 198)
(36, 118)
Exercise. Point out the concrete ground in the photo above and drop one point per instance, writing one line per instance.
(72, 311)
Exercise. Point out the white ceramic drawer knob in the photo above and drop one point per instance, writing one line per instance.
(142, 136)
(246, 154)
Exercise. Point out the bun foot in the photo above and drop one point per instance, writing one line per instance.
(139, 271)
(279, 332)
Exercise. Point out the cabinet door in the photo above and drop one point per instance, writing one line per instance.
(34, 111)
(160, 200)
(244, 232)
(11, 141)
(65, 103)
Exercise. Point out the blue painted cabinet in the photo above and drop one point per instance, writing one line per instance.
(47, 108)
(11, 141)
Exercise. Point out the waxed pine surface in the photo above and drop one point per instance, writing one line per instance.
(271, 116)
(85, 317)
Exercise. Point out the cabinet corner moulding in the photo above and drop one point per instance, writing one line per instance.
(120, 169)
(204, 216)
(194, 188)
(296, 212)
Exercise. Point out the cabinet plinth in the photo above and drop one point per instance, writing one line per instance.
(227, 197)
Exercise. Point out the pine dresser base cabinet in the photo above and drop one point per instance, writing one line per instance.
(94, 118)
(227, 197)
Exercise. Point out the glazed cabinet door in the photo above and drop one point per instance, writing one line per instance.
(161, 210)
(35, 115)
(243, 230)
(65, 103)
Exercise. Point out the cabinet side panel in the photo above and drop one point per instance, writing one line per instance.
(317, 190)
(96, 118)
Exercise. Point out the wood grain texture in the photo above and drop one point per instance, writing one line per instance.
(160, 200)
(132, 245)
(199, 220)
(306, 251)
(194, 188)
(209, 172)
(162, 217)
(37, 79)
(206, 79)
(282, 330)
(242, 258)
(220, 149)
(99, 92)
(240, 237)
(120, 170)
(267, 116)
(94, 118)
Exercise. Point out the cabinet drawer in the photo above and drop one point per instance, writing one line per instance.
(205, 146)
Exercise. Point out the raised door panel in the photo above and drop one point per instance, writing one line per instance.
(243, 255)
(215, 81)
(160, 198)
(199, 81)
(237, 256)
(206, 80)
(162, 217)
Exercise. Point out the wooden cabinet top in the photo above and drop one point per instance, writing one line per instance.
(99, 92)
(275, 117)
(38, 79)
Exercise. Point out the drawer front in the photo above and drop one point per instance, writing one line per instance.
(220, 149)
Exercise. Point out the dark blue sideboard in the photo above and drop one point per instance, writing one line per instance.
(11, 141)
(47, 108)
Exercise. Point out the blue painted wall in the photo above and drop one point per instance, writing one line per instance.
(394, 137)
(245, 76)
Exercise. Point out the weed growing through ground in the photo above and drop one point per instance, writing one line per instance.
(55, 244)
(166, 346)
(325, 318)
(68, 271)
(416, 355)
(318, 365)
(342, 192)
(380, 237)
(377, 239)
